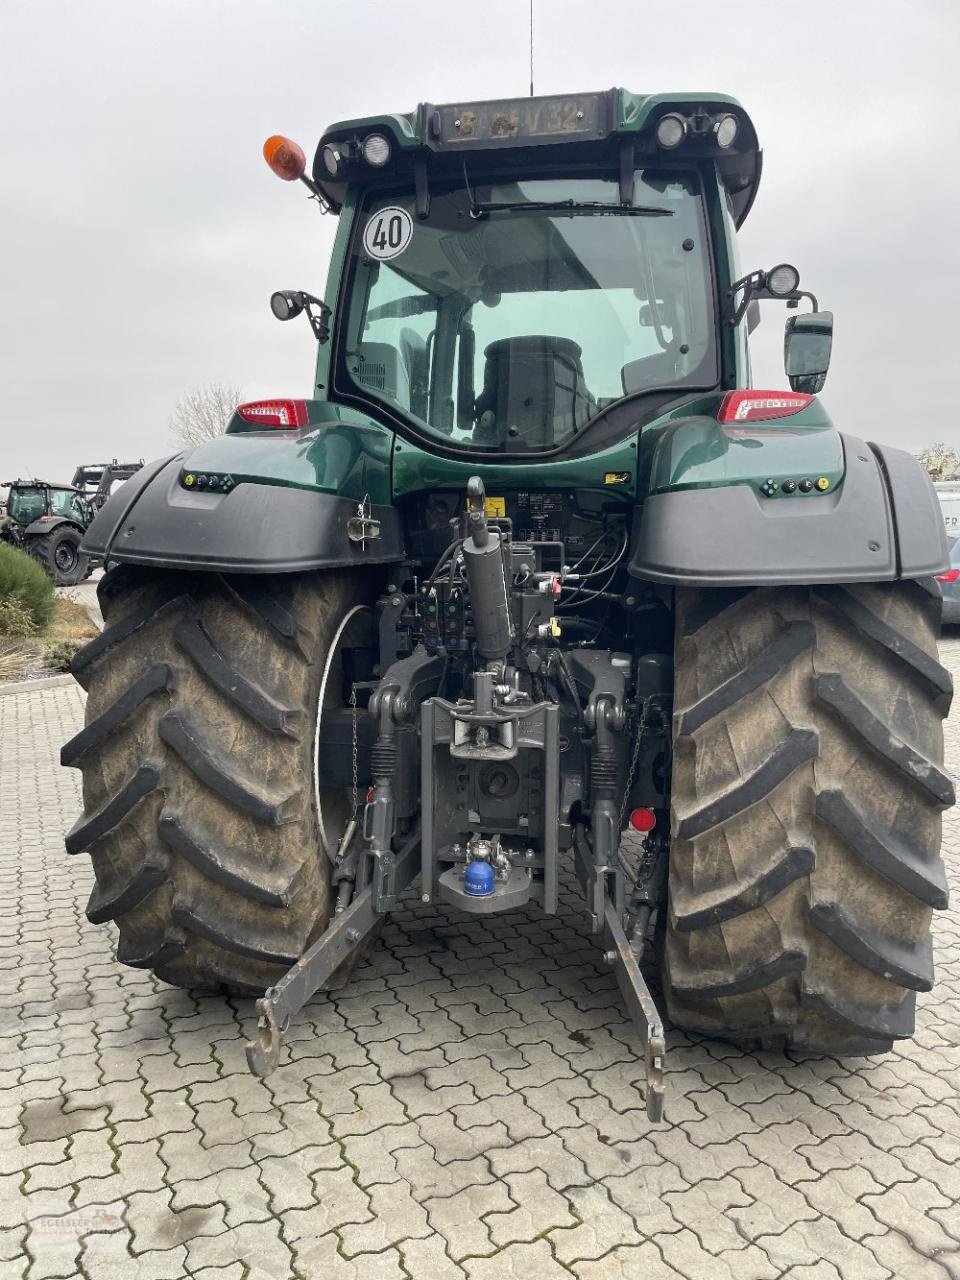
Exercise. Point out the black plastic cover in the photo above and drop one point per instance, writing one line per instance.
(256, 528)
(49, 523)
(882, 523)
(921, 536)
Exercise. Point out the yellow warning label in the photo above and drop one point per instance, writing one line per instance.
(496, 508)
(616, 477)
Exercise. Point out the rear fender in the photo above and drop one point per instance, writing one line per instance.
(282, 504)
(718, 512)
(38, 528)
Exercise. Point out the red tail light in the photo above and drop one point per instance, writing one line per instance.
(759, 406)
(275, 413)
(950, 576)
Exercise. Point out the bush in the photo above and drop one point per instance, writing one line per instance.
(26, 594)
(16, 620)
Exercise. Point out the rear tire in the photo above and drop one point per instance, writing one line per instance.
(807, 793)
(59, 553)
(197, 762)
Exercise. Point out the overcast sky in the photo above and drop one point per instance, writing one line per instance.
(141, 233)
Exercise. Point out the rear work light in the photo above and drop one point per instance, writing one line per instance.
(275, 413)
(950, 576)
(759, 406)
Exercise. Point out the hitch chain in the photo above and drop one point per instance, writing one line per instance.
(355, 749)
(635, 759)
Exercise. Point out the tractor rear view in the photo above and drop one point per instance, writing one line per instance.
(534, 567)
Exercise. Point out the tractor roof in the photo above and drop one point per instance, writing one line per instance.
(613, 126)
(21, 483)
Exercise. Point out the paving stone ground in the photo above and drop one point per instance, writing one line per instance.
(467, 1109)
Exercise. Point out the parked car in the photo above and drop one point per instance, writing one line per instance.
(948, 493)
(950, 584)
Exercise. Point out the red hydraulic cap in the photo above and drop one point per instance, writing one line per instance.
(643, 820)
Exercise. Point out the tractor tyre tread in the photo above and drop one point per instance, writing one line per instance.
(43, 548)
(808, 787)
(197, 764)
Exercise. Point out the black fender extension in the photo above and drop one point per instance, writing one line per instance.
(882, 523)
(257, 527)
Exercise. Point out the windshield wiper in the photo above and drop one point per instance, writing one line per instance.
(571, 206)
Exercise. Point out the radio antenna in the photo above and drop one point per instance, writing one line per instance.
(531, 48)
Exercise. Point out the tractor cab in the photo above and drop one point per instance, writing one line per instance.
(536, 275)
(30, 500)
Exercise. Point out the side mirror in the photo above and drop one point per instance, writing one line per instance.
(807, 343)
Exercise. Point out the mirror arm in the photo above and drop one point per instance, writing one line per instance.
(317, 312)
(750, 287)
(795, 299)
(319, 318)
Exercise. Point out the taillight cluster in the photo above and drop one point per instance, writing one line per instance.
(288, 414)
(760, 406)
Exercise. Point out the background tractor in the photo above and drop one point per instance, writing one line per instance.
(534, 566)
(48, 520)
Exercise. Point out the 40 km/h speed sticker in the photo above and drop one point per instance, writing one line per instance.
(388, 233)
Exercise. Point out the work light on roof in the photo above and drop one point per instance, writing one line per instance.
(782, 280)
(331, 160)
(671, 131)
(725, 131)
(376, 149)
(285, 304)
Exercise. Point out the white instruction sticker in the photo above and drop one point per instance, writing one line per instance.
(388, 233)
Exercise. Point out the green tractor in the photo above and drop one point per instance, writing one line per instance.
(48, 520)
(534, 568)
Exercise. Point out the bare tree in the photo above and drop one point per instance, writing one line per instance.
(203, 414)
(939, 460)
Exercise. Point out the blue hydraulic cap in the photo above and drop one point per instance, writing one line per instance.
(478, 879)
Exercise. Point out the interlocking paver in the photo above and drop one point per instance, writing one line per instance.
(518, 1262)
(470, 1107)
(390, 1203)
(909, 1208)
(897, 1254)
(320, 1256)
(461, 1218)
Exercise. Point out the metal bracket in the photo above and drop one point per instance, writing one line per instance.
(643, 1011)
(363, 527)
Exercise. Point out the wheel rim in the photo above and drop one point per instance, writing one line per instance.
(65, 556)
(334, 804)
